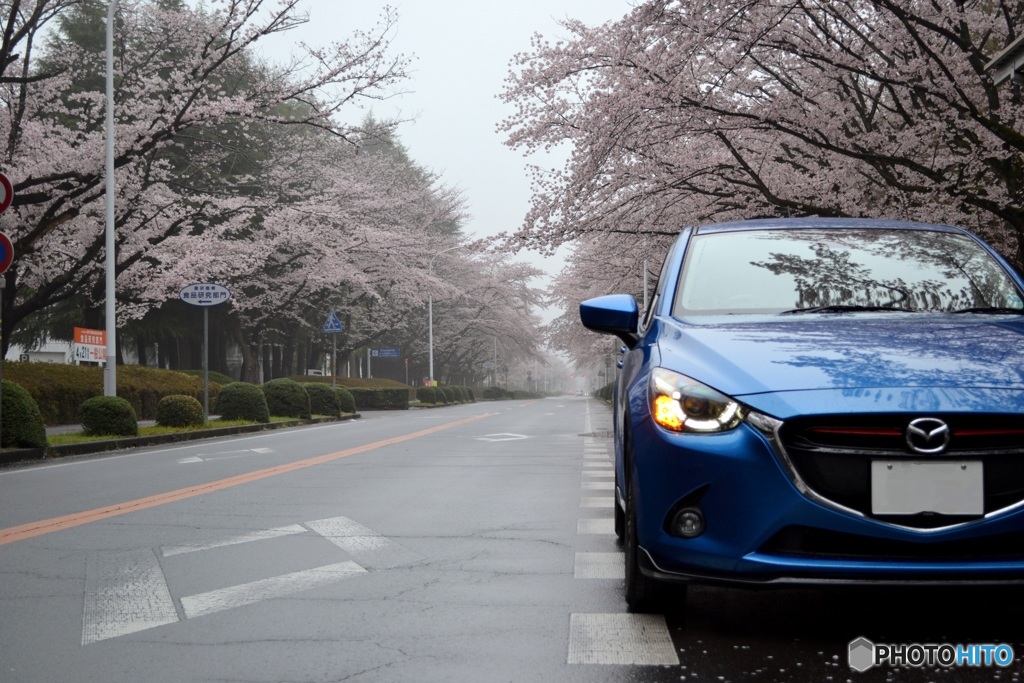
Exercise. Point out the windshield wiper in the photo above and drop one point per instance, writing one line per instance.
(992, 310)
(845, 309)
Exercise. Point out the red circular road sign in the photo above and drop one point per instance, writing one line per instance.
(6, 252)
(8, 192)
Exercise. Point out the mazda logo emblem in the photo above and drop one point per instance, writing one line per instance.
(928, 436)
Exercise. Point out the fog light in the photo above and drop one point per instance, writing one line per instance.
(688, 523)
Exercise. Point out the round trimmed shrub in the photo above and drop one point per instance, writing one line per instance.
(23, 425)
(426, 395)
(449, 395)
(178, 410)
(461, 395)
(346, 400)
(287, 398)
(322, 399)
(470, 396)
(242, 401)
(108, 415)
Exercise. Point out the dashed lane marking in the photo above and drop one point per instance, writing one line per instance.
(599, 566)
(595, 526)
(597, 502)
(639, 639)
(598, 486)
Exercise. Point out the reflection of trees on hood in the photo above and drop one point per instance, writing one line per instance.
(964, 275)
(920, 351)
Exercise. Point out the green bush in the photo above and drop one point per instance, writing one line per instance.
(381, 399)
(605, 392)
(345, 400)
(470, 394)
(108, 415)
(179, 411)
(449, 395)
(59, 390)
(287, 398)
(461, 394)
(22, 425)
(242, 401)
(218, 377)
(322, 399)
(426, 394)
(496, 393)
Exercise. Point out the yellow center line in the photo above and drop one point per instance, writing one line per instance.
(47, 526)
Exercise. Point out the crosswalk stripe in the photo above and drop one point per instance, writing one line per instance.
(369, 548)
(125, 593)
(265, 589)
(639, 639)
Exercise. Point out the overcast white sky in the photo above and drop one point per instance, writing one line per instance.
(462, 50)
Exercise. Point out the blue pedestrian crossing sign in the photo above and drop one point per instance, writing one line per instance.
(332, 324)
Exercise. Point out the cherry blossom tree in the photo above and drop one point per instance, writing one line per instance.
(183, 74)
(691, 111)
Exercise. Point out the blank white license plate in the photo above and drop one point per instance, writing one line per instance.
(907, 488)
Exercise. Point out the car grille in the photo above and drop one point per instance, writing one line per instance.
(798, 541)
(832, 455)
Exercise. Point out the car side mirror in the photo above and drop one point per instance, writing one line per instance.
(616, 314)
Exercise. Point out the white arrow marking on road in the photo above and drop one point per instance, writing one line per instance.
(503, 437)
(223, 455)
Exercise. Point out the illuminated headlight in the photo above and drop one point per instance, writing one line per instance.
(682, 404)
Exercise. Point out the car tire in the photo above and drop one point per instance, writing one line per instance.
(620, 515)
(641, 591)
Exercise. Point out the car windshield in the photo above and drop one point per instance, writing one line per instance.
(838, 270)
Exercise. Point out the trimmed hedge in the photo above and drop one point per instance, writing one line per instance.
(59, 390)
(22, 425)
(381, 399)
(345, 400)
(426, 395)
(287, 398)
(179, 411)
(322, 399)
(605, 392)
(218, 377)
(242, 401)
(449, 394)
(108, 415)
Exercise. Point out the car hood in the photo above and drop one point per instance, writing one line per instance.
(852, 356)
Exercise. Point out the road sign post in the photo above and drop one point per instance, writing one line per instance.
(205, 294)
(332, 326)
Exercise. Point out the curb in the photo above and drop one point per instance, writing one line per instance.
(19, 455)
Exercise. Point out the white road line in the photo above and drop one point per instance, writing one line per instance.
(598, 486)
(125, 593)
(595, 526)
(599, 566)
(367, 546)
(620, 639)
(597, 502)
(595, 463)
(265, 589)
(599, 474)
(261, 535)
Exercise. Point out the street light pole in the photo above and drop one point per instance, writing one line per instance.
(430, 311)
(110, 371)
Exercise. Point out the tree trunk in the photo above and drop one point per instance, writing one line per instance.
(250, 361)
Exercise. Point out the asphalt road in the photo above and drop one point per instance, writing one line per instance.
(470, 543)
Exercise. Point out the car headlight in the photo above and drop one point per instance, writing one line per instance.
(681, 404)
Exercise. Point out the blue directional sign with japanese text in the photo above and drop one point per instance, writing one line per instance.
(332, 324)
(386, 353)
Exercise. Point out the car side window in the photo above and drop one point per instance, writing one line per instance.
(648, 315)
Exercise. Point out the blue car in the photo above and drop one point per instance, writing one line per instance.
(820, 401)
